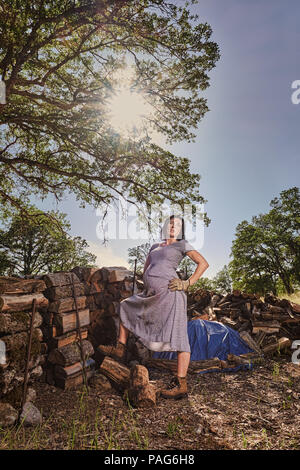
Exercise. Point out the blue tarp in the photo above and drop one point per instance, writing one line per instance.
(210, 339)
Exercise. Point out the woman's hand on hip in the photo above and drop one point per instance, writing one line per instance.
(178, 284)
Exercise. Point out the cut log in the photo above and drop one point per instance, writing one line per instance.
(15, 303)
(62, 292)
(67, 304)
(267, 327)
(21, 286)
(60, 279)
(118, 374)
(70, 376)
(11, 323)
(67, 338)
(281, 344)
(70, 354)
(83, 273)
(250, 341)
(141, 393)
(65, 322)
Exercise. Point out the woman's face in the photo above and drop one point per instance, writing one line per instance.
(174, 228)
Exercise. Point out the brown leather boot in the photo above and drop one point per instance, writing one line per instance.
(116, 352)
(177, 388)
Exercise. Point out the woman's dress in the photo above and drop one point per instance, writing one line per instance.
(158, 316)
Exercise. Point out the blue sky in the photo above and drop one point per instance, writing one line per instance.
(247, 146)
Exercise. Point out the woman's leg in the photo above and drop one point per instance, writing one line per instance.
(183, 360)
(123, 334)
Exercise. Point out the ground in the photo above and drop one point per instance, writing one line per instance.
(256, 409)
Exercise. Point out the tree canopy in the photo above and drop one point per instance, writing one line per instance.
(58, 59)
(266, 252)
(31, 248)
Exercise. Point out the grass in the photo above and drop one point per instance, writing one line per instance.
(83, 429)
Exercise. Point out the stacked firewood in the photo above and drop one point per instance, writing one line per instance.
(266, 324)
(16, 309)
(108, 286)
(65, 330)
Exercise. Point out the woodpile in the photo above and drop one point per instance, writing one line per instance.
(267, 325)
(132, 382)
(106, 288)
(65, 330)
(98, 294)
(16, 306)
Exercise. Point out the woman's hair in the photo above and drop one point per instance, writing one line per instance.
(163, 231)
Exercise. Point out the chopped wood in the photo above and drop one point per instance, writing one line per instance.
(70, 376)
(67, 304)
(141, 393)
(13, 303)
(67, 321)
(282, 343)
(60, 279)
(67, 338)
(70, 353)
(16, 322)
(61, 292)
(21, 286)
(118, 373)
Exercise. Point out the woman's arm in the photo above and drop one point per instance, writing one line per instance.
(202, 265)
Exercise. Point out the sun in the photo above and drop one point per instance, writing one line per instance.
(128, 109)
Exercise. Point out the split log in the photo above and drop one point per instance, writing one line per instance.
(281, 344)
(21, 286)
(141, 394)
(118, 373)
(267, 327)
(11, 323)
(83, 273)
(65, 322)
(60, 279)
(70, 354)
(250, 341)
(70, 376)
(61, 292)
(67, 338)
(13, 303)
(67, 304)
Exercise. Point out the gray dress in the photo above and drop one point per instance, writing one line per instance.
(158, 316)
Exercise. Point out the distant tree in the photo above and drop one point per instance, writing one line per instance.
(268, 249)
(202, 283)
(222, 281)
(32, 246)
(138, 253)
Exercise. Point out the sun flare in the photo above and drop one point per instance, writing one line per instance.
(128, 109)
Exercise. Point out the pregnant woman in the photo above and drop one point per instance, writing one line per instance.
(158, 315)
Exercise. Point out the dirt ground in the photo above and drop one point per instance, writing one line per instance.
(257, 409)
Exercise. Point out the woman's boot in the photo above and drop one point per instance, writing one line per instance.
(177, 388)
(116, 352)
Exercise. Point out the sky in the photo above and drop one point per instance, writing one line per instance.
(247, 146)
